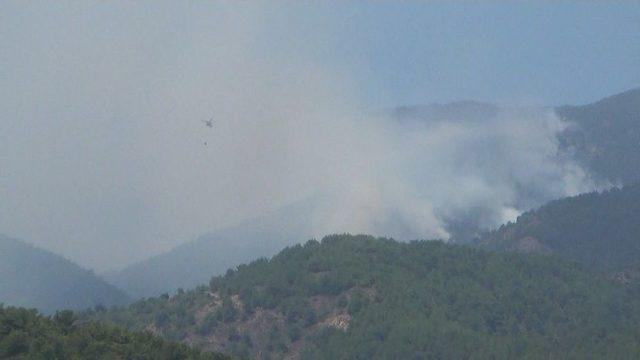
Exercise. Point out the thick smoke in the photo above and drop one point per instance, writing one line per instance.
(105, 158)
(427, 176)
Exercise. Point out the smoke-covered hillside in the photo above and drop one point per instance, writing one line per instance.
(159, 144)
(596, 145)
(443, 171)
(195, 262)
(605, 136)
(599, 230)
(458, 170)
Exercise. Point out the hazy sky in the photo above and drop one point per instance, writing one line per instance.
(102, 155)
(545, 52)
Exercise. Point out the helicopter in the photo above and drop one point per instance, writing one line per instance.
(208, 123)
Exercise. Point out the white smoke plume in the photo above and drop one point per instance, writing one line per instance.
(409, 179)
(105, 158)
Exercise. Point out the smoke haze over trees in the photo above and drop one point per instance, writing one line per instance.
(103, 140)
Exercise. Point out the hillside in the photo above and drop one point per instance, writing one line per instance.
(599, 230)
(604, 136)
(36, 278)
(364, 297)
(24, 334)
(193, 263)
(499, 146)
(606, 139)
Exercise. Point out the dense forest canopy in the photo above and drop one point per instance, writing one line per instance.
(599, 230)
(365, 297)
(25, 334)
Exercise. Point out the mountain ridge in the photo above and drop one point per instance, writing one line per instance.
(605, 136)
(34, 277)
(600, 230)
(194, 262)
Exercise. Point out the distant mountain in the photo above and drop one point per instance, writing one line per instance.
(599, 230)
(25, 334)
(35, 278)
(606, 138)
(455, 111)
(359, 297)
(194, 263)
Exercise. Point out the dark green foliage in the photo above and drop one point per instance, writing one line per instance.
(208, 324)
(24, 334)
(294, 332)
(32, 277)
(226, 313)
(599, 230)
(298, 309)
(64, 321)
(357, 302)
(413, 300)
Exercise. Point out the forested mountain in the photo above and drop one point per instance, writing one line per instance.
(606, 136)
(36, 278)
(364, 297)
(603, 137)
(599, 230)
(194, 263)
(24, 334)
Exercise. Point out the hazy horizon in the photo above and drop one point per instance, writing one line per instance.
(105, 159)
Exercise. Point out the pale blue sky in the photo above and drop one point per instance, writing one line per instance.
(543, 52)
(396, 53)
